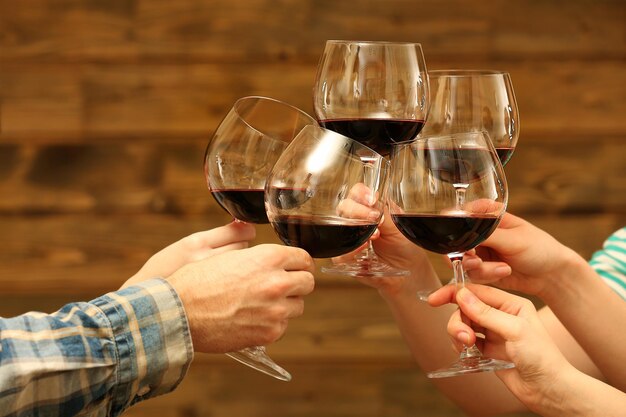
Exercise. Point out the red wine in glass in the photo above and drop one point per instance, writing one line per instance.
(376, 93)
(249, 205)
(447, 195)
(505, 154)
(237, 160)
(244, 205)
(326, 193)
(446, 233)
(323, 237)
(377, 134)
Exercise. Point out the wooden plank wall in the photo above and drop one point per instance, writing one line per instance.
(106, 107)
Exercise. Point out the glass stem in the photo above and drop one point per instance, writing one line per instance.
(370, 165)
(460, 190)
(469, 352)
(457, 268)
(368, 253)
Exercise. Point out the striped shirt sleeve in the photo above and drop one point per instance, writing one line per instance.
(610, 262)
(96, 358)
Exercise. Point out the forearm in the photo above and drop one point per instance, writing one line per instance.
(102, 355)
(424, 330)
(594, 315)
(43, 357)
(579, 395)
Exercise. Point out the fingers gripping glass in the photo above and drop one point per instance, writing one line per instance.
(377, 94)
(447, 194)
(238, 158)
(326, 193)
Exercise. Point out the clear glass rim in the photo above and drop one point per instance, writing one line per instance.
(447, 136)
(363, 42)
(239, 101)
(346, 138)
(467, 72)
(488, 144)
(235, 109)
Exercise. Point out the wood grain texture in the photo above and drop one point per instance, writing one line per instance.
(546, 175)
(106, 107)
(77, 254)
(261, 30)
(84, 101)
(228, 390)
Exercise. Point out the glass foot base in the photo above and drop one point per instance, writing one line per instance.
(255, 357)
(471, 362)
(423, 295)
(365, 268)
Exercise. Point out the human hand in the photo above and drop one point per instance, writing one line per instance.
(394, 249)
(360, 204)
(513, 331)
(194, 247)
(519, 256)
(243, 298)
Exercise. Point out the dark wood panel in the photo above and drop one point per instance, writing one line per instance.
(550, 175)
(107, 107)
(73, 30)
(137, 177)
(66, 103)
(127, 99)
(546, 175)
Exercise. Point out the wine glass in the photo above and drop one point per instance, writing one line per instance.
(426, 177)
(474, 100)
(326, 193)
(238, 158)
(377, 94)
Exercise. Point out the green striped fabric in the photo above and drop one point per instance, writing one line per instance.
(610, 262)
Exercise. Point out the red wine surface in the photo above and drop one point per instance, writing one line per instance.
(505, 154)
(323, 237)
(444, 233)
(378, 134)
(244, 205)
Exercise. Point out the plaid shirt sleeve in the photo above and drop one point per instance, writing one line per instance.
(96, 358)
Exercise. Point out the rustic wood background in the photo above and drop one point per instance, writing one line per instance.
(107, 105)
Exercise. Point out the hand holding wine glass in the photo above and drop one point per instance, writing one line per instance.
(513, 330)
(238, 158)
(427, 176)
(326, 193)
(466, 100)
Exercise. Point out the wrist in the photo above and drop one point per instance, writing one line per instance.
(576, 394)
(422, 277)
(560, 285)
(555, 399)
